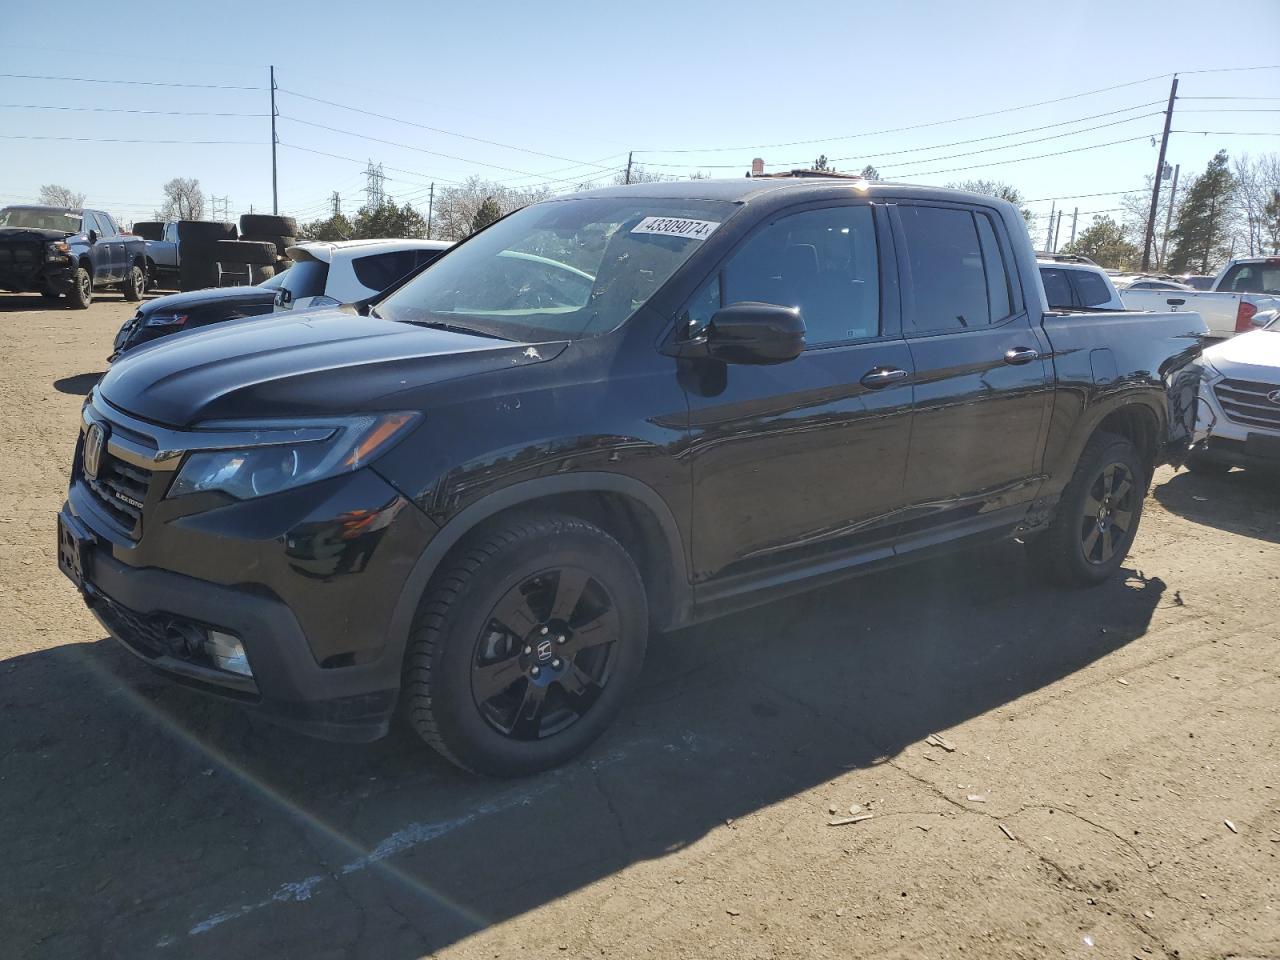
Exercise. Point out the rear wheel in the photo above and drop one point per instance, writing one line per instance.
(1098, 515)
(135, 283)
(81, 293)
(525, 647)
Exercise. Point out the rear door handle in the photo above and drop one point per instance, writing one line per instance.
(1018, 355)
(882, 377)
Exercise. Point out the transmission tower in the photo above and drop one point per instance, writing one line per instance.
(220, 205)
(337, 204)
(375, 192)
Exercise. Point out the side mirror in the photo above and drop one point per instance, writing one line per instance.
(750, 332)
(93, 236)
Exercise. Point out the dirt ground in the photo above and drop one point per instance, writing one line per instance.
(1113, 791)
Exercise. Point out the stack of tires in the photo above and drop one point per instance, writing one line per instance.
(280, 232)
(198, 252)
(244, 262)
(149, 230)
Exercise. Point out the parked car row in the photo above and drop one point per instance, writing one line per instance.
(467, 500)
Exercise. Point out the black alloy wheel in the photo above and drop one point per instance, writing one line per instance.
(544, 657)
(1108, 513)
(525, 645)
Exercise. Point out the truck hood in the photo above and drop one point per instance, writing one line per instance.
(1258, 348)
(194, 299)
(33, 233)
(326, 363)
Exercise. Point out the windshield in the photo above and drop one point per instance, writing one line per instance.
(40, 219)
(560, 269)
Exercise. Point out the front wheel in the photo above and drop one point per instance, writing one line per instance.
(81, 293)
(525, 647)
(1098, 514)
(135, 284)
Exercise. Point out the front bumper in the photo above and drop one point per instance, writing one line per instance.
(56, 277)
(307, 581)
(1221, 439)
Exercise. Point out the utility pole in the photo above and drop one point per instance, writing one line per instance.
(629, 155)
(1168, 217)
(1155, 187)
(1057, 228)
(431, 202)
(1075, 216)
(275, 182)
(1048, 236)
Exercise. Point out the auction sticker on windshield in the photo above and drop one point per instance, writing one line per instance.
(676, 227)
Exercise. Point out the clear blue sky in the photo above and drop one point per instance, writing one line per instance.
(586, 84)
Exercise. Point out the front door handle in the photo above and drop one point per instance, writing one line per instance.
(1017, 355)
(882, 377)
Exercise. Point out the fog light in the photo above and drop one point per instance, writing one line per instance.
(227, 653)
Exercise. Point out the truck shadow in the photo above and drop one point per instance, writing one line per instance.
(142, 816)
(1246, 502)
(79, 384)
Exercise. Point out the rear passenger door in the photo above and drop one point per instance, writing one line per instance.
(982, 386)
(795, 461)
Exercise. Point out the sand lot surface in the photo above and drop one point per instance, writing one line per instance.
(1113, 791)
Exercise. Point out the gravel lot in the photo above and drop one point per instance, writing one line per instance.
(1114, 788)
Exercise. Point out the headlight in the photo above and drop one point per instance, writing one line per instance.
(1208, 372)
(57, 250)
(165, 320)
(262, 466)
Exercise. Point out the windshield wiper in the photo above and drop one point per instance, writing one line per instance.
(454, 328)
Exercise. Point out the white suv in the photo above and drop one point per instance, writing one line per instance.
(1072, 282)
(327, 273)
(1238, 418)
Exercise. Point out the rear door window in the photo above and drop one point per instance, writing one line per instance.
(1092, 290)
(1057, 289)
(380, 270)
(948, 274)
(997, 274)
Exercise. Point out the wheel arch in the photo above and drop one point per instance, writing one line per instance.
(1139, 424)
(632, 512)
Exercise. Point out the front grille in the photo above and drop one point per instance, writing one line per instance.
(1245, 401)
(21, 254)
(115, 482)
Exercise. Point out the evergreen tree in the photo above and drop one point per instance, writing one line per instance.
(489, 212)
(1202, 234)
(388, 221)
(336, 227)
(1103, 242)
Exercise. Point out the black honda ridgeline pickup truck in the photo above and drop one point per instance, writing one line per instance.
(628, 409)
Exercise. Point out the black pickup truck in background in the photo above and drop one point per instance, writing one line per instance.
(628, 409)
(60, 252)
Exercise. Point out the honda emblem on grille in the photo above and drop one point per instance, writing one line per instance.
(94, 441)
(1274, 396)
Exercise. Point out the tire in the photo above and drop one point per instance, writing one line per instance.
(81, 293)
(1205, 467)
(149, 230)
(282, 243)
(259, 275)
(260, 224)
(234, 275)
(244, 251)
(541, 650)
(1074, 549)
(206, 230)
(197, 274)
(135, 284)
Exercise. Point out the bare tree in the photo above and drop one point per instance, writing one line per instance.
(56, 195)
(998, 189)
(183, 200)
(456, 208)
(1256, 184)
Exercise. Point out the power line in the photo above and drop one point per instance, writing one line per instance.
(1082, 196)
(1233, 133)
(163, 113)
(23, 136)
(450, 133)
(1041, 156)
(338, 156)
(131, 83)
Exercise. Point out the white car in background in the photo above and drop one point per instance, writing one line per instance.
(1072, 282)
(1241, 298)
(328, 273)
(1238, 418)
